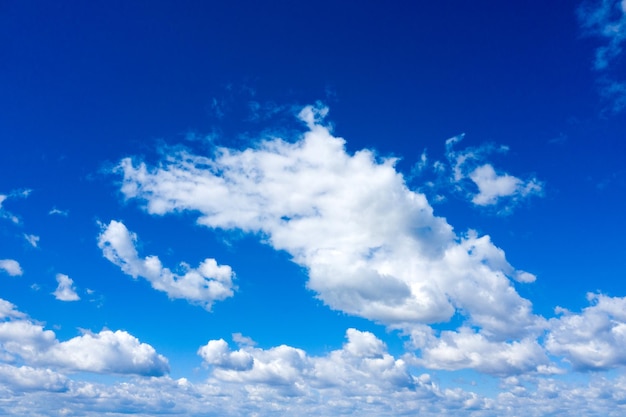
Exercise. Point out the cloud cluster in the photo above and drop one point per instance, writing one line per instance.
(23, 341)
(204, 285)
(394, 262)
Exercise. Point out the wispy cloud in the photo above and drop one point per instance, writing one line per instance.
(33, 240)
(65, 290)
(56, 212)
(469, 173)
(204, 285)
(606, 20)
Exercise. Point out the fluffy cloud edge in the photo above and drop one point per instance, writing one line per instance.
(204, 285)
(105, 352)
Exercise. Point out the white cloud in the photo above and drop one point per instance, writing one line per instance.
(362, 367)
(25, 378)
(593, 339)
(4, 214)
(107, 352)
(493, 188)
(465, 348)
(33, 240)
(204, 285)
(65, 290)
(585, 396)
(372, 247)
(11, 267)
(13, 194)
(22, 340)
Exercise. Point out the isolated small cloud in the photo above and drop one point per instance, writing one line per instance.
(493, 187)
(469, 170)
(65, 290)
(56, 212)
(204, 285)
(33, 240)
(11, 267)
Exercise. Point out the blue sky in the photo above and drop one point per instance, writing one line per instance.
(410, 208)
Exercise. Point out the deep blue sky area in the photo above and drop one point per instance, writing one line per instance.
(349, 285)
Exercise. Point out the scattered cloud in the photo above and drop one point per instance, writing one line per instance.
(11, 267)
(33, 240)
(363, 365)
(204, 285)
(24, 341)
(4, 214)
(606, 20)
(494, 189)
(65, 290)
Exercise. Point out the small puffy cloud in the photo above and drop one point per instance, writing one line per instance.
(372, 247)
(33, 240)
(65, 290)
(11, 267)
(204, 285)
(22, 340)
(494, 188)
(593, 339)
